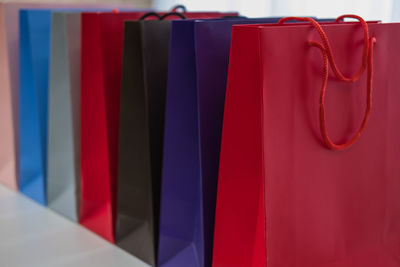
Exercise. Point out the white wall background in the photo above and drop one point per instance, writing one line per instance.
(385, 10)
(135, 3)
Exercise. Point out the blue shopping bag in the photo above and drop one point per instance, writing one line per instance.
(33, 92)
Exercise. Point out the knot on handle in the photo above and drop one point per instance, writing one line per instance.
(328, 60)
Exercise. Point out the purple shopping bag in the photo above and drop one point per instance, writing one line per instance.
(198, 67)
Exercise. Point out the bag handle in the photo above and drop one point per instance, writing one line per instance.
(159, 17)
(327, 46)
(328, 59)
(179, 7)
(177, 14)
(150, 14)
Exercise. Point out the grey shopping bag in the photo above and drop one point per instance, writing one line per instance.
(63, 168)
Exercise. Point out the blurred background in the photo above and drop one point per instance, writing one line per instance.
(385, 10)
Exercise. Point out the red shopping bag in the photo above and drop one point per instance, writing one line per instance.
(102, 43)
(309, 170)
(102, 36)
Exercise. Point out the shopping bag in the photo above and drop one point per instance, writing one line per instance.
(194, 112)
(308, 169)
(9, 89)
(101, 57)
(198, 66)
(9, 69)
(63, 161)
(34, 56)
(144, 81)
(102, 38)
(9, 73)
(33, 98)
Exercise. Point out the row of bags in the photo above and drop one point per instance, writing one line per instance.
(73, 121)
(121, 122)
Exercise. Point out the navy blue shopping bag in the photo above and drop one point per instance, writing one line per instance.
(197, 72)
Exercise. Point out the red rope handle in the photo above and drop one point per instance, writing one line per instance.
(328, 48)
(367, 62)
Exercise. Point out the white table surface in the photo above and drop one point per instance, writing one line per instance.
(32, 235)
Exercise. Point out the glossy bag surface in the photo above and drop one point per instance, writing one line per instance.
(63, 171)
(63, 144)
(33, 93)
(198, 66)
(34, 46)
(101, 58)
(146, 55)
(9, 89)
(284, 198)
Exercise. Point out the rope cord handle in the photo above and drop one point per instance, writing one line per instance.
(159, 17)
(328, 48)
(328, 59)
(174, 12)
(177, 14)
(179, 7)
(150, 14)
